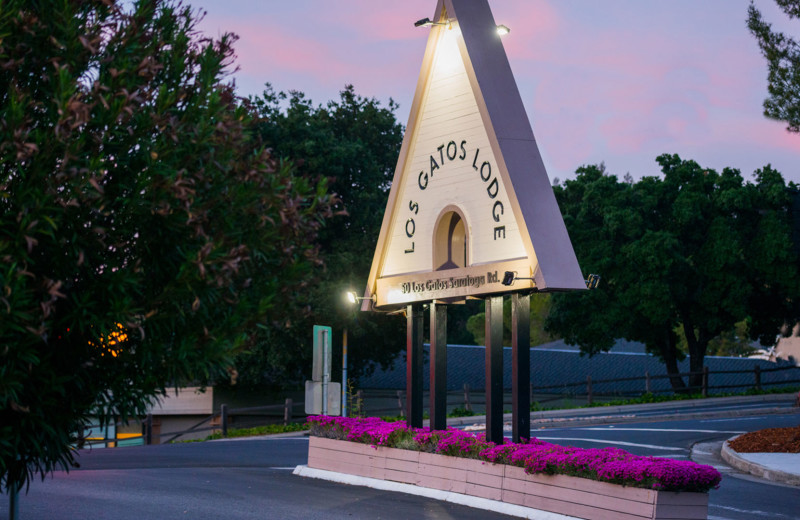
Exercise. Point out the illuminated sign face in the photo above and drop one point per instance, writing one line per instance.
(452, 196)
(454, 222)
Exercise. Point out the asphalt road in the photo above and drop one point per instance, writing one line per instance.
(739, 497)
(232, 480)
(252, 479)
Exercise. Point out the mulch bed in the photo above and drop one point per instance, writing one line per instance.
(771, 440)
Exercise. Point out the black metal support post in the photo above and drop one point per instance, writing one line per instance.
(438, 409)
(494, 369)
(288, 405)
(589, 395)
(223, 419)
(705, 381)
(13, 503)
(414, 366)
(520, 367)
(148, 430)
(400, 404)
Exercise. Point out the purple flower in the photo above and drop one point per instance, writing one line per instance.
(607, 464)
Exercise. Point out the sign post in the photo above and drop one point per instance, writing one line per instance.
(326, 369)
(344, 373)
(322, 396)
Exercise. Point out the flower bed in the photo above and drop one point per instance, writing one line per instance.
(593, 484)
(611, 465)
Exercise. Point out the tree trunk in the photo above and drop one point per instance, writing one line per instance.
(698, 344)
(669, 353)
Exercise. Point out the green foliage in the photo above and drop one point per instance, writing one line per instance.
(733, 342)
(269, 429)
(540, 309)
(695, 251)
(355, 142)
(145, 232)
(461, 412)
(783, 60)
(355, 404)
(647, 398)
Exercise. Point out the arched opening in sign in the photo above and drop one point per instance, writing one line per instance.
(450, 240)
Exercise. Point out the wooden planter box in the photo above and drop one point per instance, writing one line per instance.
(572, 496)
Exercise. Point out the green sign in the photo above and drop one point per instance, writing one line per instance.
(321, 368)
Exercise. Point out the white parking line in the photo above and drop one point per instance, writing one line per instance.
(753, 418)
(751, 512)
(606, 441)
(612, 428)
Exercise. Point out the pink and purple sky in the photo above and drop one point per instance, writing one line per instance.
(620, 81)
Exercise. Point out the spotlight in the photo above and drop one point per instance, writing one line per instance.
(509, 277)
(354, 298)
(593, 281)
(502, 30)
(426, 22)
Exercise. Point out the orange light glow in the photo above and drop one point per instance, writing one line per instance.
(114, 339)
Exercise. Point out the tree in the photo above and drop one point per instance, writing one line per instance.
(540, 308)
(353, 141)
(732, 342)
(696, 252)
(145, 231)
(783, 59)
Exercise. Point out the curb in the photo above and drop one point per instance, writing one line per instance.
(285, 435)
(600, 412)
(773, 475)
(569, 422)
(446, 496)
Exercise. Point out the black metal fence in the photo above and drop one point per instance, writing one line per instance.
(219, 421)
(391, 402)
(471, 400)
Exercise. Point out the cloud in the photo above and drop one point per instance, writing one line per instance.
(620, 82)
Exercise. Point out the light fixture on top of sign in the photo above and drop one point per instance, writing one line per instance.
(502, 30)
(509, 277)
(427, 22)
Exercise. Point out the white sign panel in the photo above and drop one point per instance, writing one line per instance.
(452, 168)
(470, 197)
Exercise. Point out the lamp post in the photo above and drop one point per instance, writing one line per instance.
(344, 373)
(353, 298)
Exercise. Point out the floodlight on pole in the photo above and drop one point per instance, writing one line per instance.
(592, 281)
(509, 277)
(354, 298)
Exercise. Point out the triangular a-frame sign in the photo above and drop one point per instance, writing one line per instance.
(470, 199)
